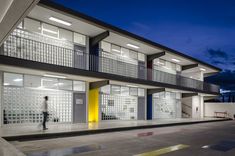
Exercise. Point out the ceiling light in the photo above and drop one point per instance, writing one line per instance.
(132, 46)
(6, 84)
(17, 80)
(116, 50)
(60, 21)
(50, 31)
(131, 86)
(55, 76)
(175, 60)
(202, 69)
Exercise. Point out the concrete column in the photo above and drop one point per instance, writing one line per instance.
(1, 98)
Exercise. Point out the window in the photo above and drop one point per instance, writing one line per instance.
(133, 54)
(65, 84)
(115, 89)
(105, 89)
(49, 30)
(125, 52)
(65, 35)
(116, 49)
(11, 79)
(141, 92)
(32, 81)
(80, 39)
(50, 83)
(32, 25)
(141, 57)
(106, 46)
(125, 91)
(134, 91)
(79, 86)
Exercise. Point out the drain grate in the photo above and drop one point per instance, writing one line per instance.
(67, 151)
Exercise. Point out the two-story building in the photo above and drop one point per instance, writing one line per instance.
(93, 71)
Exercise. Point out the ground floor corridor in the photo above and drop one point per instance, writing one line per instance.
(205, 139)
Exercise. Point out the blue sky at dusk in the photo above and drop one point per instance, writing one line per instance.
(204, 29)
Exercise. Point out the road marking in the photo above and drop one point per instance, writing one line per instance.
(164, 150)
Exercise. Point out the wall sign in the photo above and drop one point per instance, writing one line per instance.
(79, 101)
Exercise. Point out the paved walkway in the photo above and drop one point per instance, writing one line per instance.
(66, 128)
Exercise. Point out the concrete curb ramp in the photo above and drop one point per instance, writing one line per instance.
(98, 131)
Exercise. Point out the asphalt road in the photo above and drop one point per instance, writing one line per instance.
(207, 139)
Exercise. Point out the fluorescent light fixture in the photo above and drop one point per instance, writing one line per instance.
(133, 46)
(60, 21)
(175, 60)
(132, 86)
(18, 80)
(191, 77)
(55, 76)
(6, 84)
(50, 31)
(202, 69)
(116, 50)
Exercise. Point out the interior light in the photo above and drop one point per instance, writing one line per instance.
(175, 60)
(55, 76)
(50, 31)
(202, 69)
(60, 21)
(133, 46)
(17, 80)
(116, 50)
(6, 84)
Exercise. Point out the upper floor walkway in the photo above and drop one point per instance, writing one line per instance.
(26, 45)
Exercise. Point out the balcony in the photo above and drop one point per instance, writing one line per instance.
(35, 47)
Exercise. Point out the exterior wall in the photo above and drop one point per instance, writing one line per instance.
(211, 108)
(23, 94)
(166, 105)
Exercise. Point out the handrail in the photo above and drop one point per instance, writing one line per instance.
(19, 46)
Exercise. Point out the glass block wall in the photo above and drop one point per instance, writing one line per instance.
(166, 105)
(24, 105)
(23, 95)
(117, 107)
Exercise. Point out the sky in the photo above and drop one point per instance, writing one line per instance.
(204, 29)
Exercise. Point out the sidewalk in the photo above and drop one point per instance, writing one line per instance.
(62, 130)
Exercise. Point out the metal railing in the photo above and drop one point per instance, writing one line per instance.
(29, 46)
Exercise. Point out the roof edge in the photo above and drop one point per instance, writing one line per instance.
(122, 31)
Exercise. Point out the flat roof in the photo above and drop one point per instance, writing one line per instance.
(121, 31)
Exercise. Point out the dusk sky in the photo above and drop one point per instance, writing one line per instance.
(204, 29)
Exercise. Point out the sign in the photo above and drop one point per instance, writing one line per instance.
(79, 101)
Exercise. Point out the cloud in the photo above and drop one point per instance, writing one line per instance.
(217, 54)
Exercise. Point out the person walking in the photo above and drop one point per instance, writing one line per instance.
(45, 112)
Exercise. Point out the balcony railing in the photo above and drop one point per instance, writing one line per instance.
(35, 47)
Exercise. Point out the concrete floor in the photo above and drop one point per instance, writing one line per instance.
(134, 142)
(61, 128)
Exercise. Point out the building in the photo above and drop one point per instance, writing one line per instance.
(93, 71)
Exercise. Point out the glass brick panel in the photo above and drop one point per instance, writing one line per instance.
(117, 107)
(24, 105)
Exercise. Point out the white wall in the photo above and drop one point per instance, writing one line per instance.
(196, 107)
(210, 108)
(1, 114)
